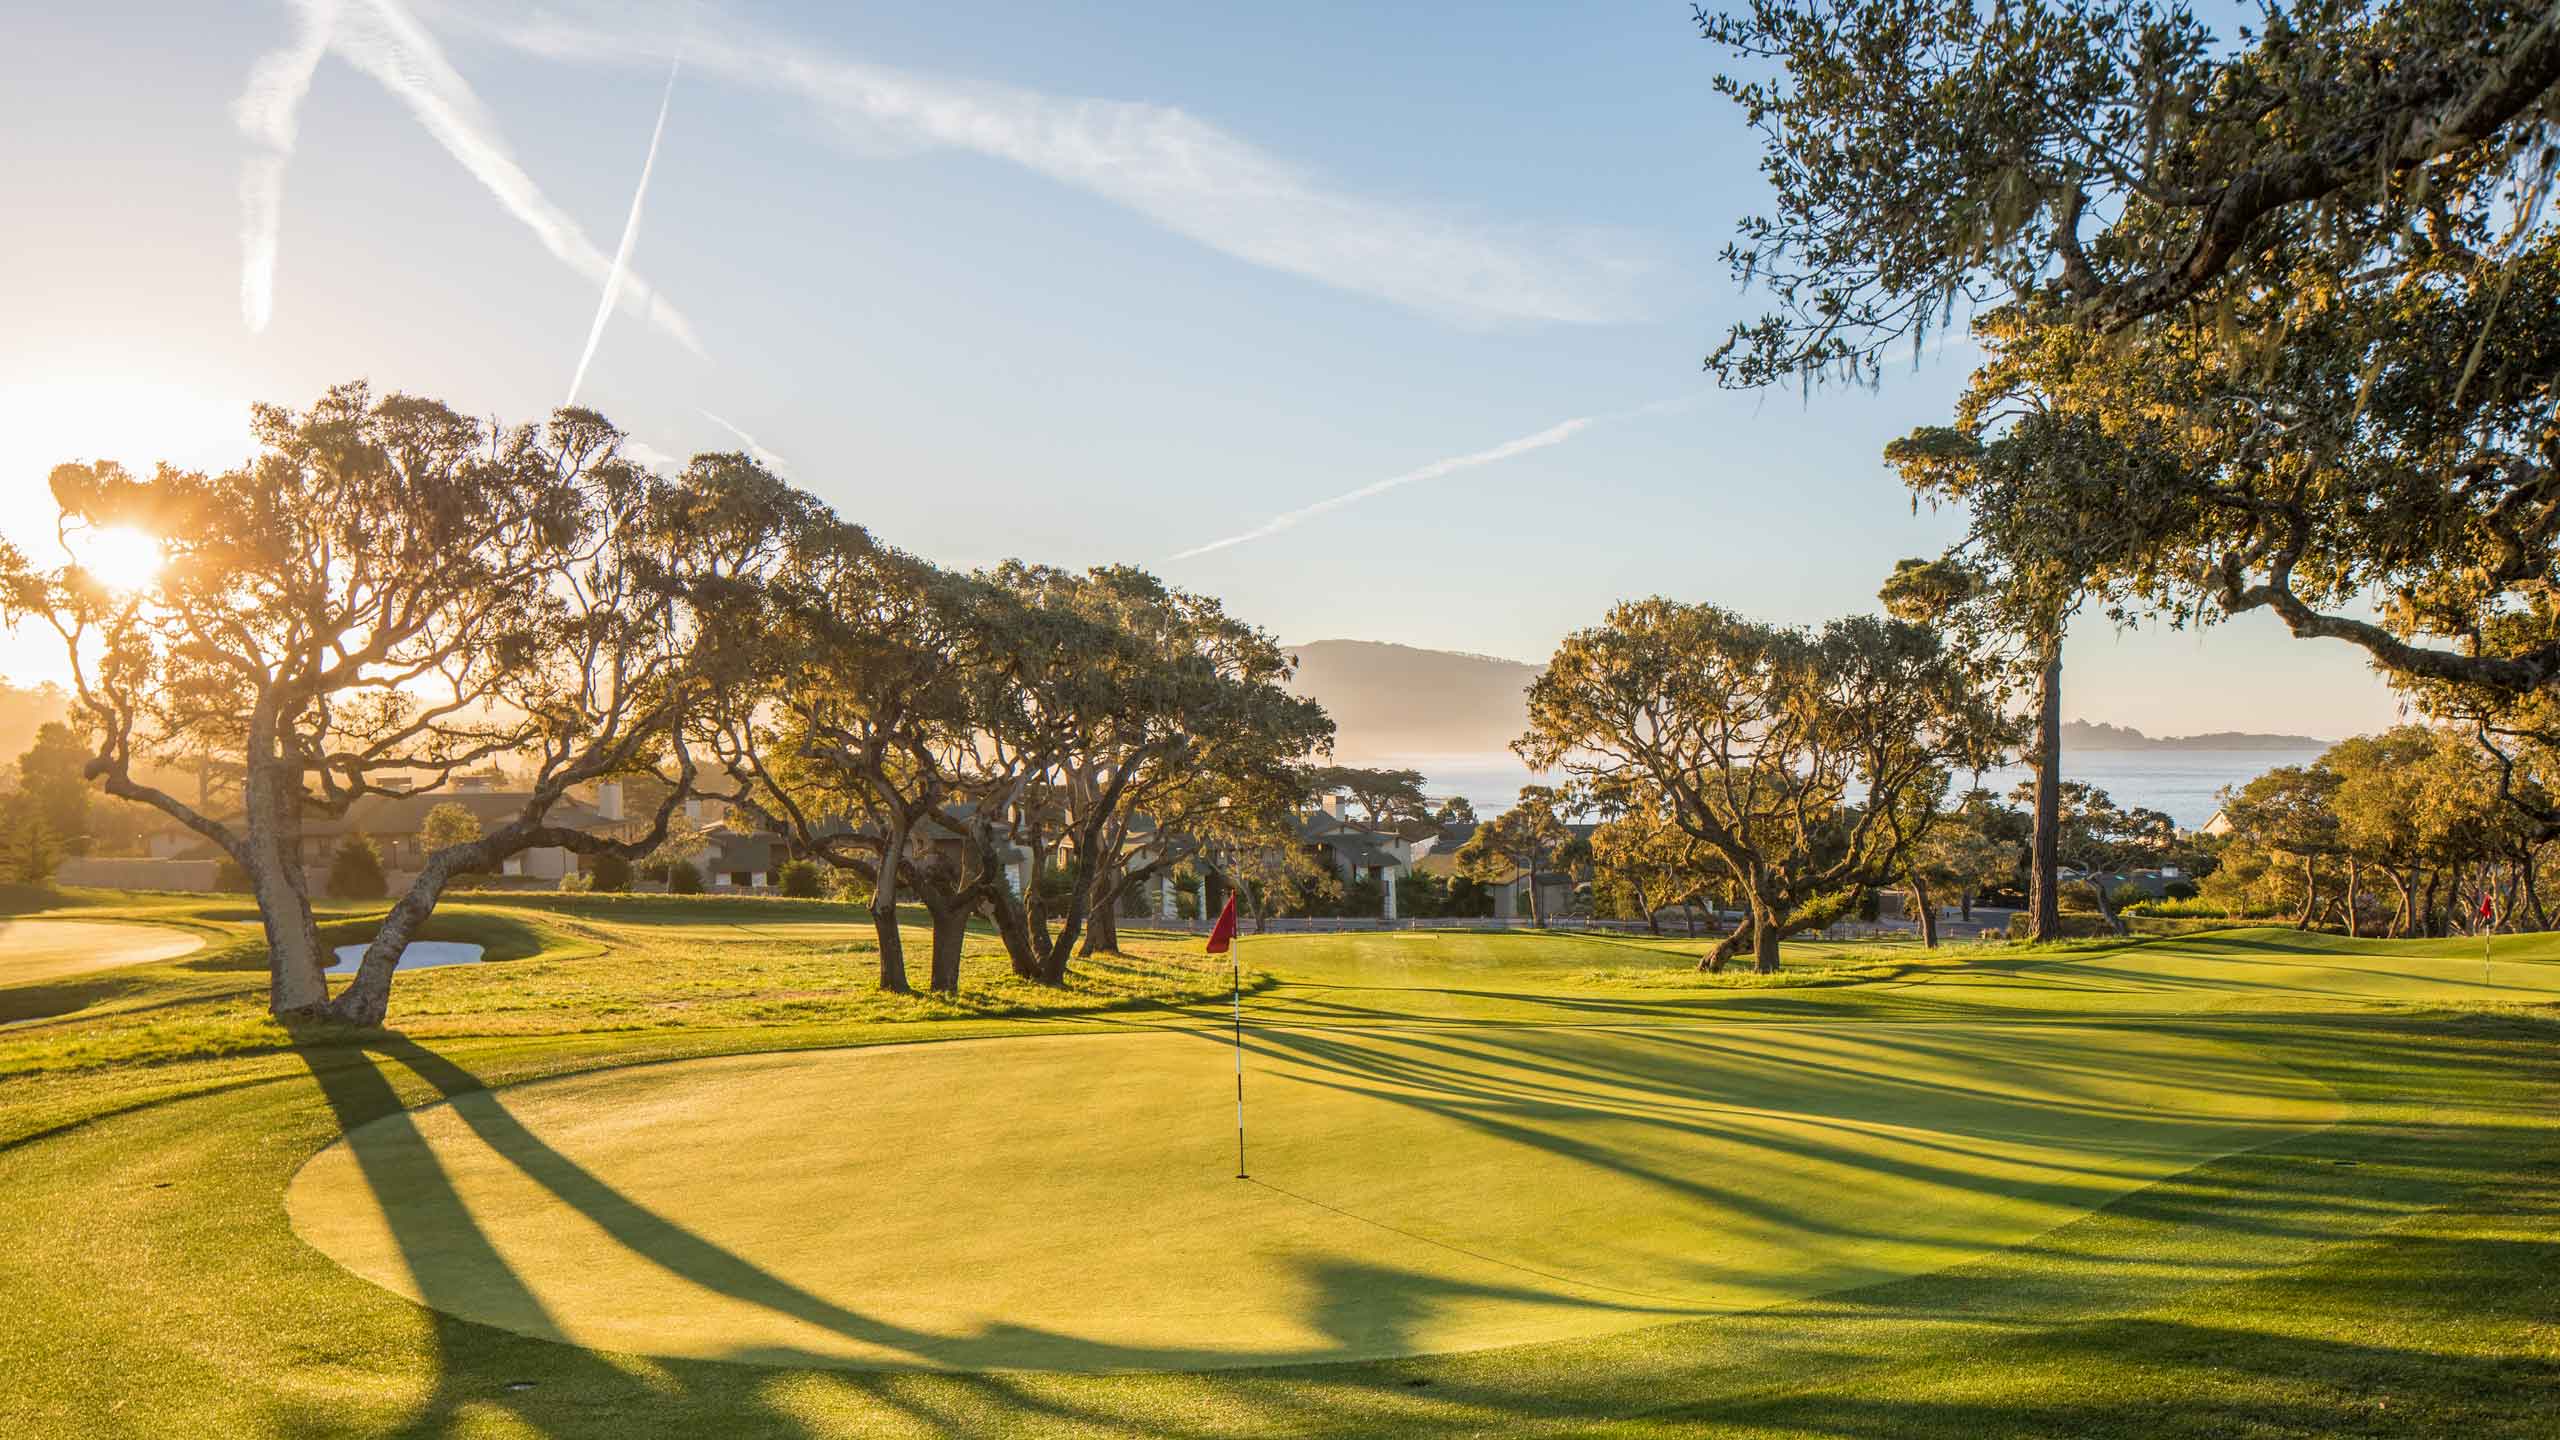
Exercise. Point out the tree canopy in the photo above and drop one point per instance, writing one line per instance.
(387, 595)
(1791, 754)
(2303, 273)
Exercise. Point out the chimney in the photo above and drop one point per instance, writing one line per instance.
(609, 800)
(1333, 806)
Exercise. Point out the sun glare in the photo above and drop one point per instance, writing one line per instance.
(121, 558)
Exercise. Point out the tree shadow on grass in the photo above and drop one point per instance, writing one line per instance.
(2041, 1309)
(521, 1364)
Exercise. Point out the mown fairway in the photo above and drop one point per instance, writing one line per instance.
(2247, 1183)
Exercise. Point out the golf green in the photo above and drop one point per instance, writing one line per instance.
(1070, 1202)
(39, 950)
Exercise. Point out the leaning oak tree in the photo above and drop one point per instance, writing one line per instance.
(1114, 691)
(1793, 755)
(389, 594)
(864, 655)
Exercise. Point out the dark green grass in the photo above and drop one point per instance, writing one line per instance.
(2394, 1274)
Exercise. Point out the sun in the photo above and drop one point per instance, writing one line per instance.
(122, 558)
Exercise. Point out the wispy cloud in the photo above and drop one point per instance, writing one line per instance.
(268, 112)
(1553, 435)
(384, 40)
(649, 457)
(630, 237)
(1179, 171)
(770, 459)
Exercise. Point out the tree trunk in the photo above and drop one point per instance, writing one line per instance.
(1102, 926)
(1726, 948)
(950, 933)
(272, 800)
(1928, 912)
(1102, 932)
(1764, 947)
(1964, 903)
(295, 985)
(884, 915)
(2107, 909)
(367, 998)
(1537, 903)
(2427, 910)
(2045, 899)
(2355, 898)
(2310, 893)
(2532, 895)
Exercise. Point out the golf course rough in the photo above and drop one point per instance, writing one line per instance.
(1070, 1202)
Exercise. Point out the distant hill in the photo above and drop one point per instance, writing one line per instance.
(2083, 735)
(1401, 700)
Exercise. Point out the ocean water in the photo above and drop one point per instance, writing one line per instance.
(2187, 784)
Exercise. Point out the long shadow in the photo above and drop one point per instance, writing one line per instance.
(481, 1370)
(1364, 1310)
(1552, 1118)
(476, 1363)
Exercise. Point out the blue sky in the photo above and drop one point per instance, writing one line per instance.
(1076, 283)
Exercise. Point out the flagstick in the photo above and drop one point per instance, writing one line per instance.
(2488, 922)
(1236, 965)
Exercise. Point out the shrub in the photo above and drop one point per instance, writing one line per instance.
(2076, 925)
(449, 824)
(609, 873)
(355, 872)
(230, 879)
(2180, 890)
(683, 878)
(574, 883)
(801, 881)
(2198, 908)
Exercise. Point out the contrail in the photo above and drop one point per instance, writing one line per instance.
(1553, 435)
(385, 41)
(267, 112)
(1174, 168)
(771, 460)
(630, 237)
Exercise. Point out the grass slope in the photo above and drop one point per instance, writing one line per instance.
(2388, 1274)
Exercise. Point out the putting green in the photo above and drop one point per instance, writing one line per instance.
(1070, 1203)
(32, 951)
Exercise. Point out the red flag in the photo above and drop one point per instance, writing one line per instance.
(2488, 905)
(1226, 928)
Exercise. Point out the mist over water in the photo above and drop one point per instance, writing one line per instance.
(2186, 784)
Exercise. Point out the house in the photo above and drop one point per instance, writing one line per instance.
(396, 824)
(1511, 893)
(2219, 826)
(735, 858)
